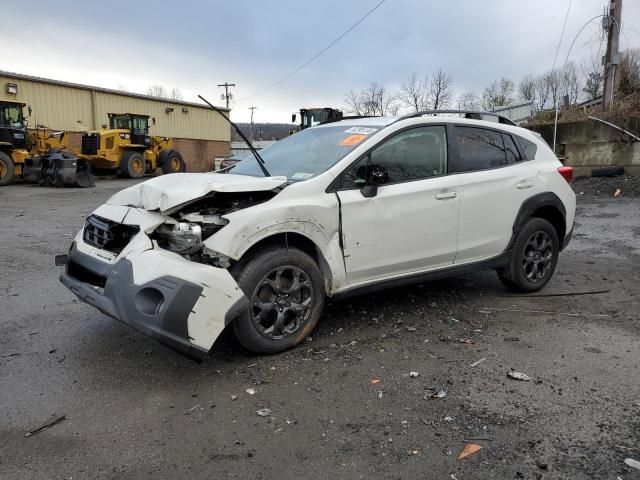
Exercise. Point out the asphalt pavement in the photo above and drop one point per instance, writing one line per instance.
(344, 404)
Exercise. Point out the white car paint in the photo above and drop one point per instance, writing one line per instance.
(407, 228)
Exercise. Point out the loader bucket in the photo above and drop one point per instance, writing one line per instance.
(32, 170)
(63, 169)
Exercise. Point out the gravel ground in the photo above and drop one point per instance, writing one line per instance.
(343, 404)
(607, 186)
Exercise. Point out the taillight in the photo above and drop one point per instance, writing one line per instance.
(567, 173)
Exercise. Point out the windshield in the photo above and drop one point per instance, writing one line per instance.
(307, 153)
(11, 116)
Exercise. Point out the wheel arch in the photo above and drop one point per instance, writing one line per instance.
(546, 205)
(295, 240)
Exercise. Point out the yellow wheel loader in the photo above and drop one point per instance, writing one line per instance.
(36, 156)
(127, 147)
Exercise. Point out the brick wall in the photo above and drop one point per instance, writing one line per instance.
(199, 155)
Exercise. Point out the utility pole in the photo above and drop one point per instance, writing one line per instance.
(226, 96)
(252, 108)
(611, 23)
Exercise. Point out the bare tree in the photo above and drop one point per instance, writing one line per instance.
(373, 100)
(439, 90)
(593, 73)
(175, 94)
(123, 88)
(570, 82)
(157, 91)
(542, 92)
(553, 83)
(498, 94)
(527, 89)
(629, 72)
(413, 93)
(469, 101)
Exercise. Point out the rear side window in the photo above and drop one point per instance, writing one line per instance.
(510, 149)
(479, 149)
(529, 148)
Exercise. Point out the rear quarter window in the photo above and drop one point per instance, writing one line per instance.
(528, 148)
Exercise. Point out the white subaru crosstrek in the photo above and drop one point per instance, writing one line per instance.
(344, 207)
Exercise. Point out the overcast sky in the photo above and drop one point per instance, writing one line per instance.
(194, 45)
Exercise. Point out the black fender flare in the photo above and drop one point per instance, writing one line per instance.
(534, 203)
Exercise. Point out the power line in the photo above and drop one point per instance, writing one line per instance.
(564, 25)
(292, 73)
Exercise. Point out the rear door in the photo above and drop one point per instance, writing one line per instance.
(494, 181)
(412, 223)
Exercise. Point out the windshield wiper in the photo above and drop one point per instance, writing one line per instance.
(242, 135)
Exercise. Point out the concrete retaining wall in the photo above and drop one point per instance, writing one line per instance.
(588, 144)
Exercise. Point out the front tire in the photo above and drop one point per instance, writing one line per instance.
(7, 169)
(285, 289)
(534, 257)
(171, 162)
(132, 165)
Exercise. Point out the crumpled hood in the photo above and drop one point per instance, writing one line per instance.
(168, 191)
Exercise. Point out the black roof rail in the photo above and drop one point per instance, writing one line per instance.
(348, 117)
(471, 114)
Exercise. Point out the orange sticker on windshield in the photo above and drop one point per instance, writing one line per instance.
(352, 140)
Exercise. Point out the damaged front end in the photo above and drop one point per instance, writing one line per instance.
(153, 271)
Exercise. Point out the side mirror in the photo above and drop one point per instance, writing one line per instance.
(369, 177)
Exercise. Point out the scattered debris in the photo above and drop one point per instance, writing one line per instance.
(437, 394)
(617, 193)
(375, 381)
(511, 339)
(486, 311)
(477, 362)
(264, 412)
(411, 329)
(51, 422)
(35, 332)
(380, 394)
(518, 376)
(188, 412)
(469, 449)
(632, 463)
(251, 391)
(476, 439)
(234, 397)
(252, 365)
(448, 418)
(414, 374)
(541, 464)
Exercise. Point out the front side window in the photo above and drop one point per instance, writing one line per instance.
(479, 149)
(410, 155)
(140, 125)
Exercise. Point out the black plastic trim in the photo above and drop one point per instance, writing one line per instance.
(167, 324)
(529, 207)
(447, 272)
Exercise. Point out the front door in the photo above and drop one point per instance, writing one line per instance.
(411, 224)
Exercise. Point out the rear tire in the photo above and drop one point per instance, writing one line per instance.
(171, 162)
(534, 257)
(286, 293)
(132, 165)
(7, 169)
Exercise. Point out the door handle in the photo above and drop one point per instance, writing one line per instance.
(524, 184)
(444, 196)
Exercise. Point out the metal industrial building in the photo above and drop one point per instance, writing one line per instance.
(199, 133)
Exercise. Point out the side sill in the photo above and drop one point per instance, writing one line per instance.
(455, 270)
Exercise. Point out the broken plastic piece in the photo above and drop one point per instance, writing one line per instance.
(264, 412)
(518, 376)
(46, 425)
(375, 381)
(632, 463)
(468, 450)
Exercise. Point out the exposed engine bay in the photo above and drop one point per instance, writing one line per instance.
(186, 229)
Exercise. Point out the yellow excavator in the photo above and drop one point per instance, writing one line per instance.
(127, 147)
